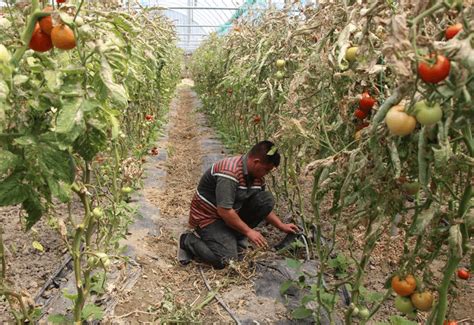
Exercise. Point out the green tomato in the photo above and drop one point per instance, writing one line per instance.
(279, 75)
(427, 115)
(404, 305)
(280, 64)
(351, 54)
(126, 190)
(5, 56)
(97, 212)
(364, 313)
(411, 188)
(104, 258)
(355, 311)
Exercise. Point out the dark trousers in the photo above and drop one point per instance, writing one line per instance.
(218, 242)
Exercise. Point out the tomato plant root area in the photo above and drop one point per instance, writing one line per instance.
(29, 268)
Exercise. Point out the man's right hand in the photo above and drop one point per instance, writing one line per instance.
(257, 238)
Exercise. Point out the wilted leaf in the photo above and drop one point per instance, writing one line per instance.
(37, 245)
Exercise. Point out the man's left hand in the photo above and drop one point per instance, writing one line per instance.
(290, 228)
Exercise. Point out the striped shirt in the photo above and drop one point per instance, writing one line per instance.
(226, 184)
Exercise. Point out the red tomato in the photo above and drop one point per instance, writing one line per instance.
(366, 102)
(463, 274)
(434, 73)
(149, 117)
(60, 1)
(257, 119)
(360, 114)
(361, 126)
(450, 322)
(452, 30)
(40, 41)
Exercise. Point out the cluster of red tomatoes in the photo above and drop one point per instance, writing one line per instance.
(431, 70)
(366, 103)
(46, 35)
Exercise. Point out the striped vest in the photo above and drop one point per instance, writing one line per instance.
(204, 207)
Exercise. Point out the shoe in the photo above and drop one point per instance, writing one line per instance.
(184, 257)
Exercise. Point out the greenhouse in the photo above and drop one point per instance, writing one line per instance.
(236, 162)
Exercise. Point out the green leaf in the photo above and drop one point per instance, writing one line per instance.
(67, 19)
(398, 320)
(70, 120)
(285, 286)
(70, 296)
(58, 319)
(12, 191)
(294, 264)
(117, 93)
(92, 312)
(53, 80)
(33, 207)
(60, 190)
(8, 161)
(308, 298)
(19, 79)
(26, 140)
(301, 313)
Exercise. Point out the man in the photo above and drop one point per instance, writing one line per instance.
(229, 203)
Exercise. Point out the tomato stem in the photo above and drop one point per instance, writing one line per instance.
(443, 291)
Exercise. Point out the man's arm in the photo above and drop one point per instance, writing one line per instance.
(273, 219)
(232, 219)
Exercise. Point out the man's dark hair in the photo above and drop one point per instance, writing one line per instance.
(266, 152)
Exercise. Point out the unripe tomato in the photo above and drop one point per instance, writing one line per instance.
(5, 56)
(453, 30)
(404, 287)
(360, 114)
(436, 72)
(366, 102)
(63, 37)
(280, 64)
(351, 54)
(399, 122)
(104, 258)
(364, 313)
(279, 75)
(411, 188)
(404, 305)
(126, 190)
(426, 114)
(98, 212)
(355, 311)
(463, 274)
(422, 300)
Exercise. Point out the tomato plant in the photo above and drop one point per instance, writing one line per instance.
(434, 72)
(399, 122)
(360, 114)
(46, 23)
(463, 274)
(422, 300)
(280, 63)
(351, 53)
(63, 37)
(453, 30)
(366, 102)
(427, 114)
(404, 305)
(40, 41)
(404, 286)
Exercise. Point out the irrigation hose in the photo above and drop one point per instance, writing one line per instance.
(219, 299)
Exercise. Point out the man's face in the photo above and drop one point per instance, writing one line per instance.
(258, 169)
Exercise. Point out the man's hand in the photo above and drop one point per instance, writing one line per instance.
(289, 228)
(257, 238)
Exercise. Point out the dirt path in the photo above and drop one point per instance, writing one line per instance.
(167, 291)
